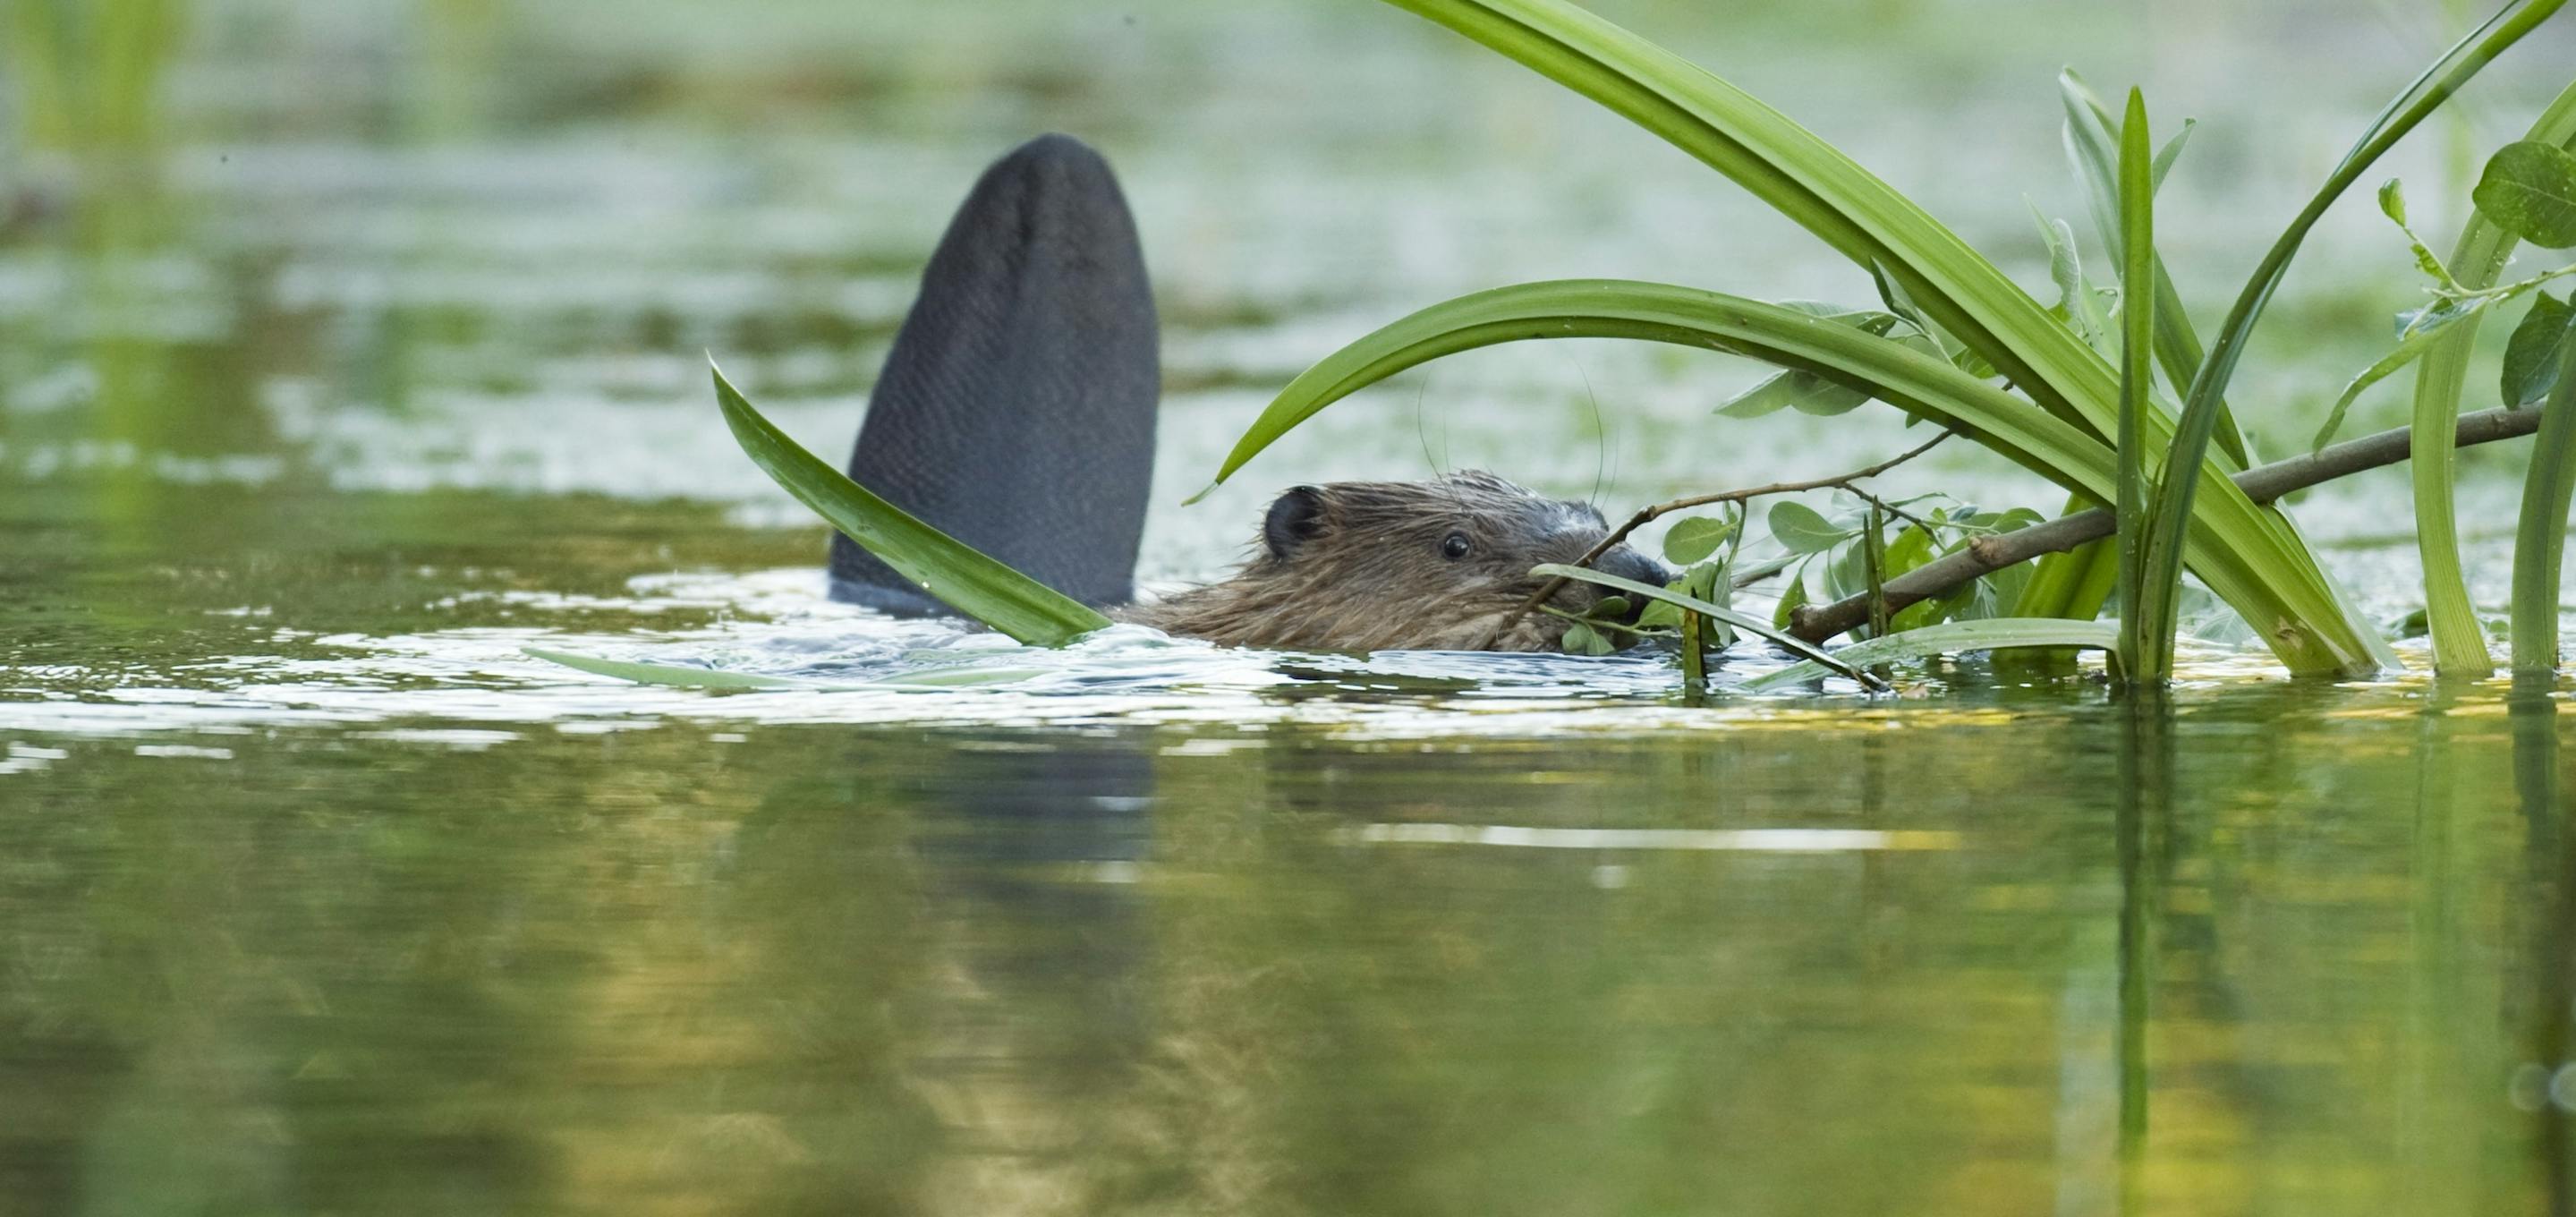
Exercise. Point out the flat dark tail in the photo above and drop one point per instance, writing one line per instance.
(1016, 412)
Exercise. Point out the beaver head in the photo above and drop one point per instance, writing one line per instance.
(1365, 566)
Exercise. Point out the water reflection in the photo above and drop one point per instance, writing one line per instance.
(2546, 1083)
(2448, 1039)
(2142, 832)
(897, 969)
(317, 895)
(1047, 1015)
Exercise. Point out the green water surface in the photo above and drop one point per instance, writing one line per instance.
(346, 350)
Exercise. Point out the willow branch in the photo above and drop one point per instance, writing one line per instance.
(1648, 515)
(1986, 555)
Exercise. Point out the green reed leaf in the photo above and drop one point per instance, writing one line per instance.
(1950, 638)
(1805, 179)
(2146, 632)
(945, 568)
(2540, 540)
(2093, 147)
(670, 675)
(2181, 482)
(680, 676)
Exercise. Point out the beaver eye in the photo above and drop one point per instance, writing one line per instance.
(1456, 546)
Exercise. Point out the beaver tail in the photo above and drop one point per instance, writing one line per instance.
(1016, 412)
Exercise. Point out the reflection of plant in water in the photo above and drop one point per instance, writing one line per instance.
(89, 74)
(92, 107)
(89, 103)
(459, 39)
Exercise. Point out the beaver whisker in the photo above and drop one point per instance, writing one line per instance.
(1600, 430)
(1421, 435)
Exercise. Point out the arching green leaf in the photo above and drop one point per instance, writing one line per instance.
(944, 567)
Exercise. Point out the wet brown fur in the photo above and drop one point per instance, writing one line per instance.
(1362, 566)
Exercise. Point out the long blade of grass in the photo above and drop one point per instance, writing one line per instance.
(2171, 510)
(2459, 644)
(2091, 144)
(2073, 584)
(1782, 336)
(668, 675)
(944, 567)
(2229, 547)
(680, 676)
(2146, 655)
(2540, 543)
(1951, 638)
(1716, 612)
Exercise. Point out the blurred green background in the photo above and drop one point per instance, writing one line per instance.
(468, 243)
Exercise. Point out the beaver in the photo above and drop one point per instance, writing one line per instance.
(1378, 566)
(1016, 413)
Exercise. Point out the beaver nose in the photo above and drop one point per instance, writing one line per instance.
(1629, 564)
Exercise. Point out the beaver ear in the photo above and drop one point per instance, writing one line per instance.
(1294, 517)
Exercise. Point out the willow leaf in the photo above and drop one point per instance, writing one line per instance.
(1710, 609)
(2415, 342)
(2530, 187)
(2531, 356)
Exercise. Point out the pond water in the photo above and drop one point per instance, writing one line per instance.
(346, 350)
